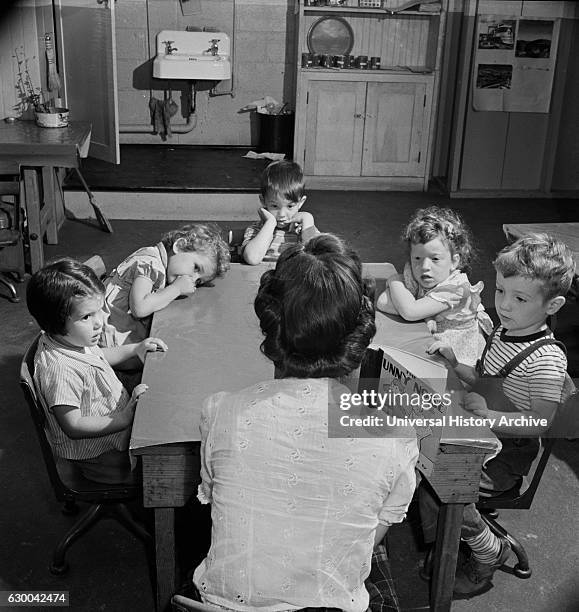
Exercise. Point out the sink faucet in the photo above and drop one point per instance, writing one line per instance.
(214, 48)
(170, 48)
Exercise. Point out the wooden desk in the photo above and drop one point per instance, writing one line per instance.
(198, 363)
(457, 467)
(565, 232)
(39, 151)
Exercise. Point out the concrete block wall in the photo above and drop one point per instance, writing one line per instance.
(264, 64)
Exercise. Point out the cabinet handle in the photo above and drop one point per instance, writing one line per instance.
(358, 115)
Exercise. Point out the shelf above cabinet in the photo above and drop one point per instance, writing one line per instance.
(369, 74)
(349, 10)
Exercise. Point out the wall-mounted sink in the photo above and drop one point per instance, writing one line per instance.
(192, 55)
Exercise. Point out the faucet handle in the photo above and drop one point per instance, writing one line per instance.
(170, 48)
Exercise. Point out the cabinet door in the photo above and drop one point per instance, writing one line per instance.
(396, 129)
(334, 128)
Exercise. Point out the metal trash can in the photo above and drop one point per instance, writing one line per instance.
(276, 133)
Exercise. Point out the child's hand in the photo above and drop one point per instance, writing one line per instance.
(266, 216)
(150, 345)
(431, 325)
(138, 391)
(475, 403)
(301, 221)
(444, 350)
(186, 284)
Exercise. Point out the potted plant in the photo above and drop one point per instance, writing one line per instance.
(46, 112)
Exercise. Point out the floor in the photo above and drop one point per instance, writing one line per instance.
(109, 568)
(174, 168)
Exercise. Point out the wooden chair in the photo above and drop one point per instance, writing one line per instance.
(520, 497)
(11, 244)
(70, 486)
(180, 603)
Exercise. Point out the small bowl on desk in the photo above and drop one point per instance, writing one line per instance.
(56, 119)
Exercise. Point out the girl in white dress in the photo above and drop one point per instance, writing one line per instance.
(434, 286)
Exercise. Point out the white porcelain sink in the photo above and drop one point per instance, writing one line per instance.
(192, 55)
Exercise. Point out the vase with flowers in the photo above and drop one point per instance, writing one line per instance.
(46, 112)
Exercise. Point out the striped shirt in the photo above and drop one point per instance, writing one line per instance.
(281, 240)
(83, 379)
(540, 376)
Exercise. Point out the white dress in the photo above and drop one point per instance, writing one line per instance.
(464, 324)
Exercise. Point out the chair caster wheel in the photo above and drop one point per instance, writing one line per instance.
(522, 573)
(59, 570)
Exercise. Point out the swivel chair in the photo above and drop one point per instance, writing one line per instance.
(520, 497)
(70, 486)
(11, 246)
(180, 603)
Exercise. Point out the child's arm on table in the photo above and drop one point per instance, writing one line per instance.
(408, 306)
(384, 301)
(144, 302)
(304, 225)
(76, 426)
(540, 409)
(255, 250)
(116, 355)
(465, 372)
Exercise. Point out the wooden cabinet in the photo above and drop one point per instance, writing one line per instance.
(362, 128)
(370, 129)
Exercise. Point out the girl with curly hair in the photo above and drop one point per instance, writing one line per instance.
(152, 277)
(435, 286)
(297, 513)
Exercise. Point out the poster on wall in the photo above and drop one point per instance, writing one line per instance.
(514, 64)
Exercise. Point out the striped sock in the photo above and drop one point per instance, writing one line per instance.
(486, 547)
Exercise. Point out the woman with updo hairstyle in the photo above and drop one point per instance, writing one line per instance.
(316, 312)
(298, 517)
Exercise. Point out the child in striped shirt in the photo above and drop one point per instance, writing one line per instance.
(89, 412)
(533, 276)
(282, 222)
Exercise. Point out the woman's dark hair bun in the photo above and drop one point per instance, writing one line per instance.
(315, 310)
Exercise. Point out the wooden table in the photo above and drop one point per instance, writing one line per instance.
(39, 151)
(457, 466)
(565, 232)
(213, 340)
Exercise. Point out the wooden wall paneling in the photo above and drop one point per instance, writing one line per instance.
(447, 84)
(7, 93)
(436, 45)
(406, 40)
(19, 38)
(466, 45)
(561, 171)
(524, 153)
(500, 7)
(483, 151)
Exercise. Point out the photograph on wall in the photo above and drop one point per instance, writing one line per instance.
(534, 38)
(497, 34)
(494, 76)
(514, 64)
